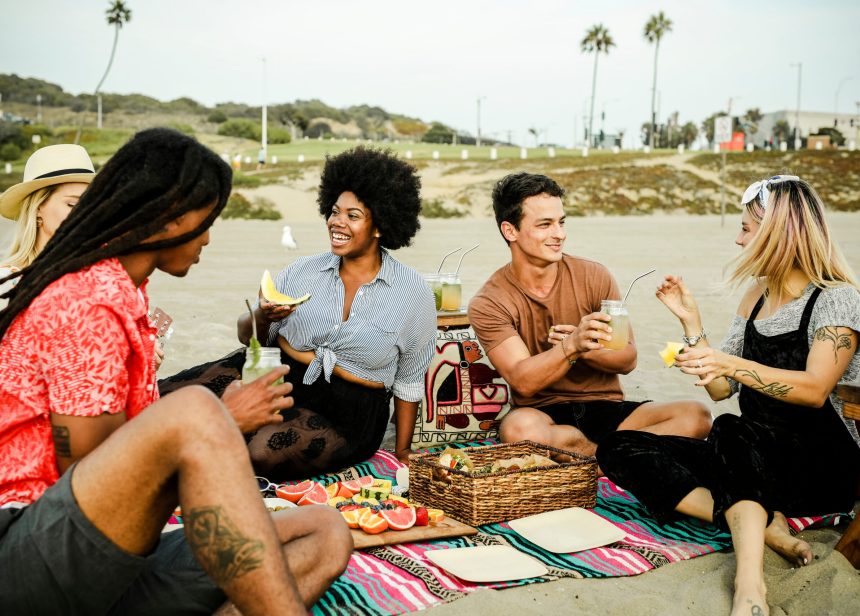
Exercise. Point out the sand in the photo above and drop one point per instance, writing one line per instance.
(206, 303)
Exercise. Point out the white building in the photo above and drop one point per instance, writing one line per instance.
(810, 122)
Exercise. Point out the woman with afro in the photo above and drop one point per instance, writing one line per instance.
(367, 333)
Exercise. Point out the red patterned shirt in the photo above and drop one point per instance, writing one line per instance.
(83, 347)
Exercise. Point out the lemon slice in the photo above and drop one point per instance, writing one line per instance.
(271, 294)
(669, 352)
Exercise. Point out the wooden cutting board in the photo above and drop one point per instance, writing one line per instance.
(441, 530)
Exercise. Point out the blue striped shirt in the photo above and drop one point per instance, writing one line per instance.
(389, 336)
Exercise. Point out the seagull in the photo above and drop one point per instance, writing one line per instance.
(287, 240)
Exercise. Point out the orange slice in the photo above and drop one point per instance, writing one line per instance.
(372, 523)
(352, 517)
(435, 515)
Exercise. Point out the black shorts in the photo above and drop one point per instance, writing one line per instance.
(55, 561)
(595, 418)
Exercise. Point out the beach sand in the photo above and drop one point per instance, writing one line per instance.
(205, 305)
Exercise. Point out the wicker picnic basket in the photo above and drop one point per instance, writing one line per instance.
(505, 495)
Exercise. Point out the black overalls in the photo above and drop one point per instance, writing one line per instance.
(794, 459)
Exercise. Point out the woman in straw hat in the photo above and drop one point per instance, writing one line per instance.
(55, 177)
(790, 452)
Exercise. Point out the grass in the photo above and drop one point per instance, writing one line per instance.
(834, 174)
(637, 190)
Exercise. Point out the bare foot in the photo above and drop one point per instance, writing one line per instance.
(750, 604)
(778, 538)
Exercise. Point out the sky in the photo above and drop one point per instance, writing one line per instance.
(432, 60)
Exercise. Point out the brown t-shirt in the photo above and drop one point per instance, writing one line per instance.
(503, 308)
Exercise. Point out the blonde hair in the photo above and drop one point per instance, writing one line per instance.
(793, 234)
(22, 252)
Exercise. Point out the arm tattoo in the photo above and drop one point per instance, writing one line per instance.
(222, 550)
(839, 341)
(776, 390)
(756, 611)
(62, 442)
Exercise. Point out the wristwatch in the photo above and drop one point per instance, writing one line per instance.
(694, 340)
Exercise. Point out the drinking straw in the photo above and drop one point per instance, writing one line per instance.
(624, 301)
(445, 257)
(253, 320)
(463, 255)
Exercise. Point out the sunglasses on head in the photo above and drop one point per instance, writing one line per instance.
(761, 189)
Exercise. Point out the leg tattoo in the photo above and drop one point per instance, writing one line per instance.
(224, 553)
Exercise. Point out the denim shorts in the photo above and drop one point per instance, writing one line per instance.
(595, 418)
(55, 561)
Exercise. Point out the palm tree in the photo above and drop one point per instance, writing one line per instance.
(657, 26)
(596, 39)
(117, 15)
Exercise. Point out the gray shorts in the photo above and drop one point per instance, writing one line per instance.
(54, 561)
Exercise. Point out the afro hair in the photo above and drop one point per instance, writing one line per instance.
(387, 186)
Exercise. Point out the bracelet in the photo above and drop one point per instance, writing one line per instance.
(570, 360)
(694, 340)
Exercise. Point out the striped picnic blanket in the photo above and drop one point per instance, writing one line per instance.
(398, 579)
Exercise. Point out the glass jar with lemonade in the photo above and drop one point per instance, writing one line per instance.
(620, 323)
(452, 291)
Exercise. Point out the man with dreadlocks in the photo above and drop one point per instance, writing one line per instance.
(93, 463)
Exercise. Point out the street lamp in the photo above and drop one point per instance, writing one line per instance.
(799, 66)
(478, 139)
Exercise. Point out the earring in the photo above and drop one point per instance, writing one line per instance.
(38, 221)
(377, 235)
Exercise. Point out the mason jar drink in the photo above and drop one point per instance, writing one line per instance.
(620, 323)
(452, 292)
(434, 281)
(260, 361)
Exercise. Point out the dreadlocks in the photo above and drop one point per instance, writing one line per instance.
(157, 176)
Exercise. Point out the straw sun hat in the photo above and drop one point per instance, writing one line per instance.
(53, 164)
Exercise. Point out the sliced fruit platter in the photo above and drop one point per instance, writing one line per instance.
(365, 503)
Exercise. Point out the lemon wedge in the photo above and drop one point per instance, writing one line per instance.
(271, 294)
(670, 351)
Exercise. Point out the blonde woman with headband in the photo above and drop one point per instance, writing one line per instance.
(55, 177)
(794, 337)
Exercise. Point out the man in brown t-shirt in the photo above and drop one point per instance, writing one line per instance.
(539, 322)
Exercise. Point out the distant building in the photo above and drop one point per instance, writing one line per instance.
(810, 122)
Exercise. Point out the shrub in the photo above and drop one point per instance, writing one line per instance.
(10, 151)
(182, 128)
(217, 117)
(435, 208)
(278, 135)
(245, 181)
(238, 206)
(241, 127)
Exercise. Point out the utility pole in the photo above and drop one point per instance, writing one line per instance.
(478, 139)
(265, 136)
(799, 66)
